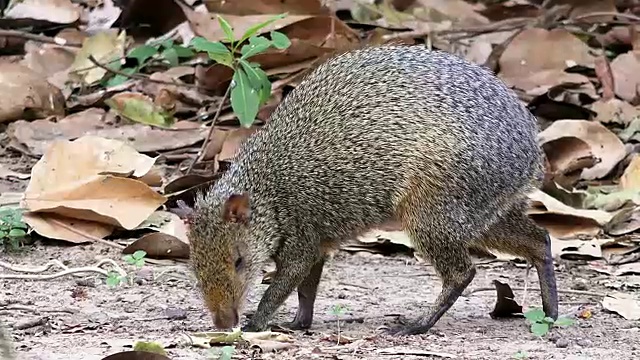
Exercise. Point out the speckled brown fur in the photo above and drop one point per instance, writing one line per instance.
(390, 132)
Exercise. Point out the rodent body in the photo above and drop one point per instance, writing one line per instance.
(391, 133)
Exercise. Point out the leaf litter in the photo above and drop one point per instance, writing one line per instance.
(116, 117)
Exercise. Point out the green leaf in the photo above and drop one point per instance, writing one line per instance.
(17, 233)
(226, 27)
(143, 53)
(139, 254)
(244, 99)
(113, 279)
(216, 50)
(184, 52)
(202, 44)
(539, 329)
(534, 315)
(120, 79)
(280, 40)
(257, 45)
(564, 321)
(226, 352)
(255, 28)
(253, 73)
(129, 259)
(171, 55)
(168, 43)
(265, 92)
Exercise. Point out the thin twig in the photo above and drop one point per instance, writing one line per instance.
(38, 38)
(606, 13)
(67, 271)
(213, 124)
(354, 285)
(561, 291)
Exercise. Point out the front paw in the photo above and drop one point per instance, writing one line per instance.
(253, 327)
(296, 325)
(406, 330)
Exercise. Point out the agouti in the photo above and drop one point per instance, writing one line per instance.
(373, 135)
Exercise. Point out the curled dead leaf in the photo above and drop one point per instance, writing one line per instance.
(605, 145)
(626, 76)
(159, 245)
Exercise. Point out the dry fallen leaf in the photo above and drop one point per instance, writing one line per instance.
(623, 304)
(25, 94)
(523, 57)
(55, 226)
(577, 249)
(564, 221)
(159, 246)
(567, 156)
(55, 11)
(105, 46)
(626, 76)
(615, 111)
(604, 144)
(69, 180)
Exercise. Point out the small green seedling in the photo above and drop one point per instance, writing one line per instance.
(541, 324)
(149, 346)
(114, 279)
(520, 355)
(12, 228)
(338, 310)
(250, 87)
(223, 353)
(136, 259)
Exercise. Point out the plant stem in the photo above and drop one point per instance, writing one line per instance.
(213, 124)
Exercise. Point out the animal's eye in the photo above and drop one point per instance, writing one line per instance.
(239, 263)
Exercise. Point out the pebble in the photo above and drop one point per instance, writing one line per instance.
(585, 343)
(562, 343)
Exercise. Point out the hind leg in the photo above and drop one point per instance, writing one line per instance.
(444, 247)
(519, 235)
(307, 291)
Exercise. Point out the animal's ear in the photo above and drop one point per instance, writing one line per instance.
(236, 209)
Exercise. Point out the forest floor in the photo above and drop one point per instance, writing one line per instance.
(92, 321)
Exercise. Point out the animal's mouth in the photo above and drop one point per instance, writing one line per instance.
(226, 318)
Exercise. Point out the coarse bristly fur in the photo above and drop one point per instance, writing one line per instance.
(373, 135)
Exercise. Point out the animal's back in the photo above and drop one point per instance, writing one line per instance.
(369, 128)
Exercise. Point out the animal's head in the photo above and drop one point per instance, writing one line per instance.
(224, 262)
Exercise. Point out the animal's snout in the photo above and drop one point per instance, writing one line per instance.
(226, 318)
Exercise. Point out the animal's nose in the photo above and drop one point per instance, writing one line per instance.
(226, 318)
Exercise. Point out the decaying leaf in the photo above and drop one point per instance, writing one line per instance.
(604, 144)
(140, 108)
(26, 95)
(623, 304)
(506, 306)
(624, 222)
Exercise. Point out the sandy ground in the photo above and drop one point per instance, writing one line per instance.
(82, 318)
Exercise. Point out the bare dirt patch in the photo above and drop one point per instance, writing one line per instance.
(90, 322)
